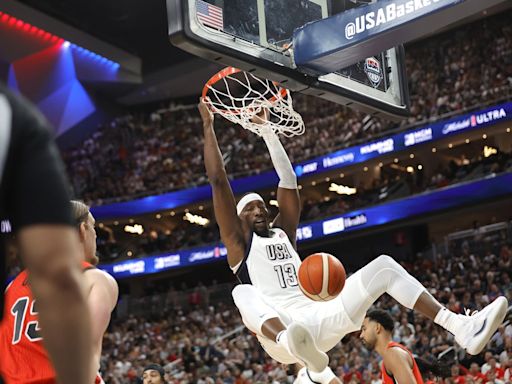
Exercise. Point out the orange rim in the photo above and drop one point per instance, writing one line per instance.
(231, 71)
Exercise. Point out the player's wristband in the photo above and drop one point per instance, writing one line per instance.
(282, 164)
(323, 377)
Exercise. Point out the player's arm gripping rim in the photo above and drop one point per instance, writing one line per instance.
(287, 192)
(399, 364)
(224, 205)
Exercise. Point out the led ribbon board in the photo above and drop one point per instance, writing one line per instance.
(451, 197)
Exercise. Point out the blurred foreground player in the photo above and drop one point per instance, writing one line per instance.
(263, 255)
(34, 199)
(26, 360)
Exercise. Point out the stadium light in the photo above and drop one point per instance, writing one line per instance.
(342, 189)
(135, 229)
(196, 219)
(38, 33)
(489, 151)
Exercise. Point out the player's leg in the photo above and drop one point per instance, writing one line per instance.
(259, 317)
(263, 320)
(385, 275)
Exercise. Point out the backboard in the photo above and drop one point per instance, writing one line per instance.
(257, 35)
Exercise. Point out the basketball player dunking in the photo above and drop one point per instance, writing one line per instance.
(290, 327)
(23, 358)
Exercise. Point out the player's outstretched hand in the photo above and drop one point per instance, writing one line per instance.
(261, 117)
(206, 113)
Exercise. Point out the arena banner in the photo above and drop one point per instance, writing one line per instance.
(160, 263)
(327, 45)
(408, 139)
(339, 159)
(465, 194)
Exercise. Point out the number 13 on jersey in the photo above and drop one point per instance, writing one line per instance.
(287, 275)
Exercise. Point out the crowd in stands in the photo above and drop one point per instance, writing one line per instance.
(146, 153)
(201, 340)
(391, 185)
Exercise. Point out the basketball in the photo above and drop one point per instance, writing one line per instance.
(321, 277)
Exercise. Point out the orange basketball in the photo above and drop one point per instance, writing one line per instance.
(321, 277)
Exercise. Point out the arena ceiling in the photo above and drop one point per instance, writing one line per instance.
(140, 28)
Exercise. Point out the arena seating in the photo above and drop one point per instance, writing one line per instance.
(387, 188)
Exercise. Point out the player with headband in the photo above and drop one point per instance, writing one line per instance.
(262, 254)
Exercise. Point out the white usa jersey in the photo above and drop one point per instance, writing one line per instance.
(271, 264)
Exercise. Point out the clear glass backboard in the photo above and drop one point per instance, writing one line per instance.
(257, 36)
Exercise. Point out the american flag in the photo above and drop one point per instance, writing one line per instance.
(209, 15)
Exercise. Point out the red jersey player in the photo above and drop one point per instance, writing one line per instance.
(398, 363)
(23, 358)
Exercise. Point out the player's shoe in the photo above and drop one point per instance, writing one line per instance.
(476, 330)
(303, 347)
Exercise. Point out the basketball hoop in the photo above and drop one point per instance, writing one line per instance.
(240, 97)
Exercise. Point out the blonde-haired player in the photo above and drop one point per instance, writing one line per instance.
(291, 327)
(24, 358)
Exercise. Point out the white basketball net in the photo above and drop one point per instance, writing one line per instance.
(241, 96)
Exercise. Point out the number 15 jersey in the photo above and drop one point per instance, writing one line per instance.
(271, 265)
(23, 358)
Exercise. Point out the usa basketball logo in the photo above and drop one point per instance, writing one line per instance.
(373, 70)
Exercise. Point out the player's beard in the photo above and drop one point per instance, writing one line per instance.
(369, 344)
(261, 229)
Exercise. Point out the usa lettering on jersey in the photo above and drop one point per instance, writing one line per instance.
(278, 252)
